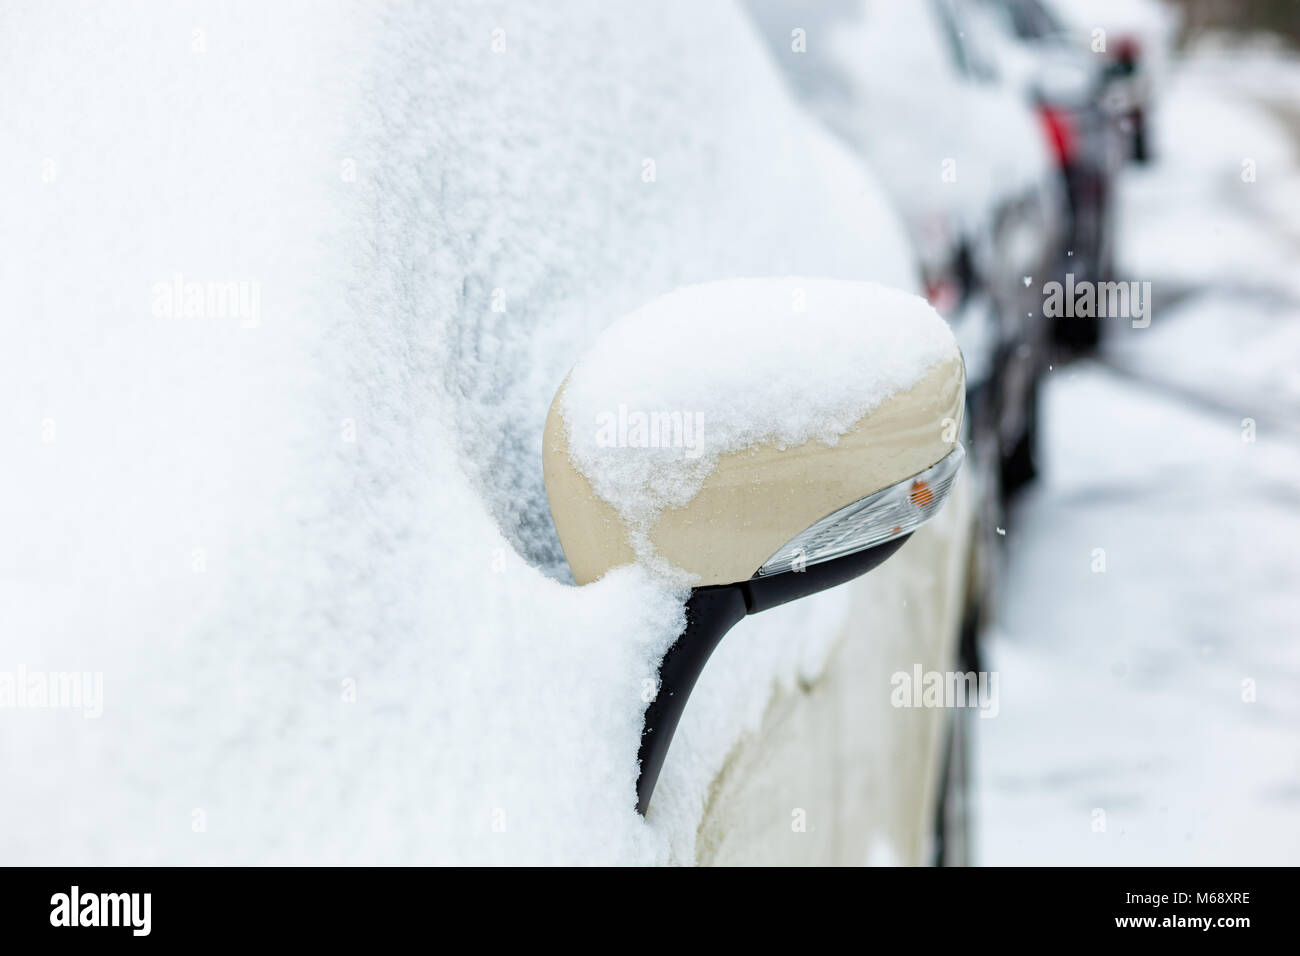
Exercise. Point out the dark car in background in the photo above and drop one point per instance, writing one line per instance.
(1079, 97)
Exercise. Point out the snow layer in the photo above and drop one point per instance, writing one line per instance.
(1146, 652)
(884, 78)
(1226, 180)
(307, 552)
(743, 362)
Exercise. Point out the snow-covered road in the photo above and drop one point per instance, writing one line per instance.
(1146, 645)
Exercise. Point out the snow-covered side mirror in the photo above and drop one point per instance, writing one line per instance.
(756, 440)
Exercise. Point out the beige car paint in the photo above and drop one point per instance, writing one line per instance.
(756, 500)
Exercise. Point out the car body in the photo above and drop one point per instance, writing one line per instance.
(1073, 91)
(304, 536)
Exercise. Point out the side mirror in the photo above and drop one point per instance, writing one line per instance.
(757, 440)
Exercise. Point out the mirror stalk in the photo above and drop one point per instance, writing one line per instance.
(710, 613)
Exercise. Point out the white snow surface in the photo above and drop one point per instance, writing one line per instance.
(310, 554)
(745, 362)
(1225, 182)
(882, 76)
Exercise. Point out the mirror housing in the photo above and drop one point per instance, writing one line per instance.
(757, 500)
(763, 513)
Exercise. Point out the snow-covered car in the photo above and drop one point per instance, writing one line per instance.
(1134, 39)
(1072, 91)
(295, 286)
(964, 161)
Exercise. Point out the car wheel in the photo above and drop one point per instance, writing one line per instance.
(1140, 148)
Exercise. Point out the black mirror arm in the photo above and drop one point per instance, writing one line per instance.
(710, 613)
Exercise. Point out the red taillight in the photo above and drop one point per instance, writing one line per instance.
(1060, 131)
(943, 294)
(1127, 50)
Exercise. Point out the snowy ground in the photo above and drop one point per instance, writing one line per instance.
(1150, 677)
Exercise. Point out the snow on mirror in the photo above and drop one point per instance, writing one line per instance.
(755, 441)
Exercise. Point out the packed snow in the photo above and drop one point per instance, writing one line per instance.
(742, 362)
(1210, 209)
(294, 514)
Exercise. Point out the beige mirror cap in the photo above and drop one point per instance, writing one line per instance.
(757, 499)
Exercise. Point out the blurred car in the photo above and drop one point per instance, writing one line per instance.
(1134, 39)
(1128, 94)
(1071, 91)
(963, 159)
